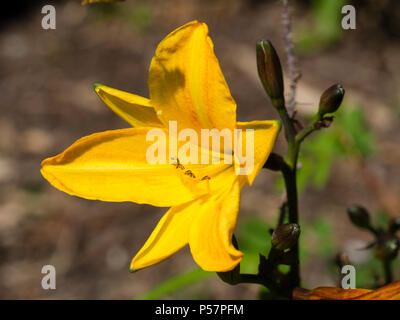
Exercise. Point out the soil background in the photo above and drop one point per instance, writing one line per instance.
(47, 102)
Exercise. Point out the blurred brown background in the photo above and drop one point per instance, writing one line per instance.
(47, 102)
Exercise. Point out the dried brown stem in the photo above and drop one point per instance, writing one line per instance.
(294, 74)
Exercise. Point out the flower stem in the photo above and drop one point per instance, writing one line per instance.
(387, 265)
(293, 71)
(292, 204)
(305, 133)
(257, 279)
(290, 132)
(309, 129)
(289, 172)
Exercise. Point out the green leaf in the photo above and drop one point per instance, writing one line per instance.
(323, 229)
(382, 219)
(141, 17)
(176, 283)
(254, 238)
(355, 135)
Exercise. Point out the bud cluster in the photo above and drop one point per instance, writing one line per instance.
(387, 243)
(271, 76)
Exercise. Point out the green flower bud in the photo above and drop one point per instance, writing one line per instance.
(270, 71)
(285, 236)
(331, 99)
(387, 248)
(359, 216)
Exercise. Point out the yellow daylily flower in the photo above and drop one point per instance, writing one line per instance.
(186, 86)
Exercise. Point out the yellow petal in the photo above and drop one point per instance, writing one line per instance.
(170, 235)
(172, 232)
(211, 232)
(134, 109)
(186, 83)
(112, 166)
(265, 134)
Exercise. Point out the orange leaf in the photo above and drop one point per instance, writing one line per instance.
(85, 2)
(388, 292)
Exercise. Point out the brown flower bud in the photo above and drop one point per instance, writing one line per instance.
(270, 72)
(387, 248)
(394, 225)
(331, 99)
(285, 236)
(359, 216)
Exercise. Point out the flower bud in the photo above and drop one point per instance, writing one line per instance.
(359, 216)
(331, 99)
(394, 225)
(274, 162)
(285, 236)
(270, 72)
(387, 248)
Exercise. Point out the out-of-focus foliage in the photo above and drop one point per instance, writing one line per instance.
(176, 283)
(354, 136)
(381, 220)
(254, 239)
(325, 27)
(370, 273)
(139, 15)
(322, 232)
(105, 11)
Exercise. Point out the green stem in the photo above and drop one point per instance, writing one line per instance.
(257, 279)
(305, 132)
(290, 132)
(289, 175)
(289, 170)
(309, 129)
